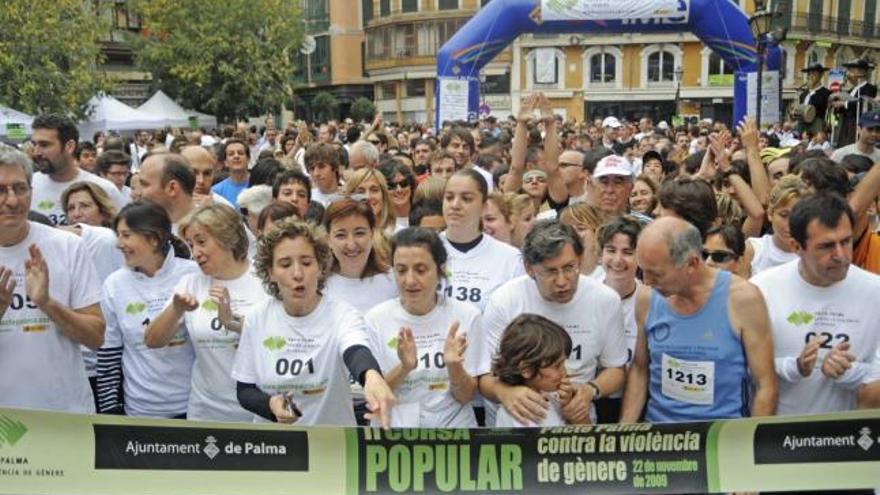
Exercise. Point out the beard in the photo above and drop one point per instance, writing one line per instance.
(45, 166)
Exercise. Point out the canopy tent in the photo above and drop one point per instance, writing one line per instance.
(10, 116)
(175, 115)
(110, 114)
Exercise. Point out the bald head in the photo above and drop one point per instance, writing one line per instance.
(571, 156)
(674, 237)
(202, 163)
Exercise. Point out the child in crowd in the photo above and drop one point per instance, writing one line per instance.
(532, 353)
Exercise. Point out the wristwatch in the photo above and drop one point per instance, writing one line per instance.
(597, 392)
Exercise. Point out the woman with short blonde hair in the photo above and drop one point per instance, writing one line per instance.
(75, 201)
(371, 183)
(211, 304)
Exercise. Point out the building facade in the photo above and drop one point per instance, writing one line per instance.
(591, 76)
(403, 38)
(337, 63)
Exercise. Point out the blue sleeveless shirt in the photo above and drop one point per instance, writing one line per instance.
(697, 365)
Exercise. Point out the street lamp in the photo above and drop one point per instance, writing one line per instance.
(679, 72)
(761, 23)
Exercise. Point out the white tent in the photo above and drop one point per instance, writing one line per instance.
(10, 116)
(175, 115)
(110, 114)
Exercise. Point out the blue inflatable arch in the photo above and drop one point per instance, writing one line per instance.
(719, 24)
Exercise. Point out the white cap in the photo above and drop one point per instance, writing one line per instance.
(611, 122)
(663, 125)
(613, 165)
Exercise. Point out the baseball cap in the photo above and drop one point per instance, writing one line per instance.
(611, 122)
(652, 155)
(613, 165)
(869, 120)
(663, 125)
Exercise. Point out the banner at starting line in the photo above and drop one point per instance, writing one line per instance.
(609, 10)
(44, 452)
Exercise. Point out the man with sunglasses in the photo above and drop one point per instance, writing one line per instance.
(703, 336)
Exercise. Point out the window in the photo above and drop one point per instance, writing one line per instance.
(661, 67)
(409, 5)
(497, 84)
(545, 68)
(445, 29)
(415, 87)
(843, 9)
(321, 58)
(602, 68)
(447, 4)
(814, 18)
(659, 63)
(384, 8)
(719, 73)
(426, 42)
(405, 40)
(387, 90)
(367, 7)
(870, 16)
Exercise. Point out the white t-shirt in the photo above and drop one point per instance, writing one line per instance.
(767, 255)
(474, 275)
(845, 311)
(593, 319)
(325, 199)
(553, 417)
(213, 396)
(156, 382)
(47, 194)
(41, 368)
(424, 397)
(362, 293)
(304, 355)
(101, 245)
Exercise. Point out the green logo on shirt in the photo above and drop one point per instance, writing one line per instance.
(274, 343)
(393, 343)
(11, 431)
(799, 318)
(135, 308)
(209, 305)
(45, 205)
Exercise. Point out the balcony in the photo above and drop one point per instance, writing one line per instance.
(823, 25)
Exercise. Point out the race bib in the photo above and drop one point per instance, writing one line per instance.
(692, 382)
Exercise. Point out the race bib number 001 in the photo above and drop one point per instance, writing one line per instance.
(692, 382)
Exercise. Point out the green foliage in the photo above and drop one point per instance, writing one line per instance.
(231, 59)
(362, 109)
(49, 51)
(324, 106)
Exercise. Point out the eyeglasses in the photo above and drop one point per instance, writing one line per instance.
(567, 270)
(718, 256)
(403, 184)
(19, 189)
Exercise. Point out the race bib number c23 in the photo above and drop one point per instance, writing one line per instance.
(692, 382)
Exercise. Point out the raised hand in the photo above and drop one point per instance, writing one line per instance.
(185, 302)
(748, 133)
(809, 355)
(454, 347)
(7, 286)
(406, 349)
(527, 109)
(36, 279)
(220, 295)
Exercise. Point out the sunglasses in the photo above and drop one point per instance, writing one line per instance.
(403, 184)
(718, 256)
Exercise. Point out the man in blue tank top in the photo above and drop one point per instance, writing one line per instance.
(704, 335)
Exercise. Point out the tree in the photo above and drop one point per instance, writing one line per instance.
(362, 109)
(49, 53)
(232, 58)
(324, 106)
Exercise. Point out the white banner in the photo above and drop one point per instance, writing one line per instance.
(769, 97)
(545, 66)
(608, 10)
(453, 99)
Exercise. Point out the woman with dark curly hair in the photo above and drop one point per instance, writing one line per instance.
(298, 346)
